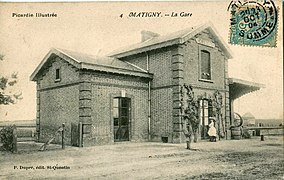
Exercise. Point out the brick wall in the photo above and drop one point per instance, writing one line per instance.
(139, 60)
(110, 78)
(172, 67)
(161, 114)
(87, 96)
(57, 101)
(161, 94)
(160, 64)
(57, 106)
(192, 63)
(219, 71)
(68, 73)
(104, 87)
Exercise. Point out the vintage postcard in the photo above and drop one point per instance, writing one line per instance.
(141, 90)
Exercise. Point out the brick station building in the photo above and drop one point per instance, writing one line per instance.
(134, 94)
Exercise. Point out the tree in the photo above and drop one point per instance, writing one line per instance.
(189, 111)
(7, 96)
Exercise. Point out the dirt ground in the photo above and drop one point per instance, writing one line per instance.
(231, 159)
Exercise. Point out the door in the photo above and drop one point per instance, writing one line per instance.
(121, 119)
(74, 134)
(205, 112)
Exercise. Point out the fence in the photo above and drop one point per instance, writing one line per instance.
(27, 133)
(20, 133)
(267, 130)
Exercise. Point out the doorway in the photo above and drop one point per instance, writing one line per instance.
(206, 111)
(121, 118)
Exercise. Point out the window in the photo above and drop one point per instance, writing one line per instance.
(205, 65)
(57, 75)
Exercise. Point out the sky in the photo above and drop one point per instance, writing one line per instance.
(97, 28)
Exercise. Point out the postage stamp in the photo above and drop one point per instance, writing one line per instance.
(253, 23)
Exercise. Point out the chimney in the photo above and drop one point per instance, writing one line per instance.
(145, 35)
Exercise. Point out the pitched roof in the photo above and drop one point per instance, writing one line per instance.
(238, 87)
(84, 61)
(178, 37)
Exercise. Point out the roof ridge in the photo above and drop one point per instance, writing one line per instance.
(153, 38)
(177, 37)
(112, 60)
(86, 54)
(62, 51)
(193, 28)
(84, 61)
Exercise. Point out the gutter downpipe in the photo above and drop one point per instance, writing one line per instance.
(149, 100)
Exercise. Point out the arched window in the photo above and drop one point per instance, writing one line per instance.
(205, 65)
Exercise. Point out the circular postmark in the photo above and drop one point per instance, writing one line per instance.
(253, 23)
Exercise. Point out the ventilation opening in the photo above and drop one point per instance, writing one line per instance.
(165, 139)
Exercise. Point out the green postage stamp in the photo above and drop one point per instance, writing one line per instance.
(253, 23)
